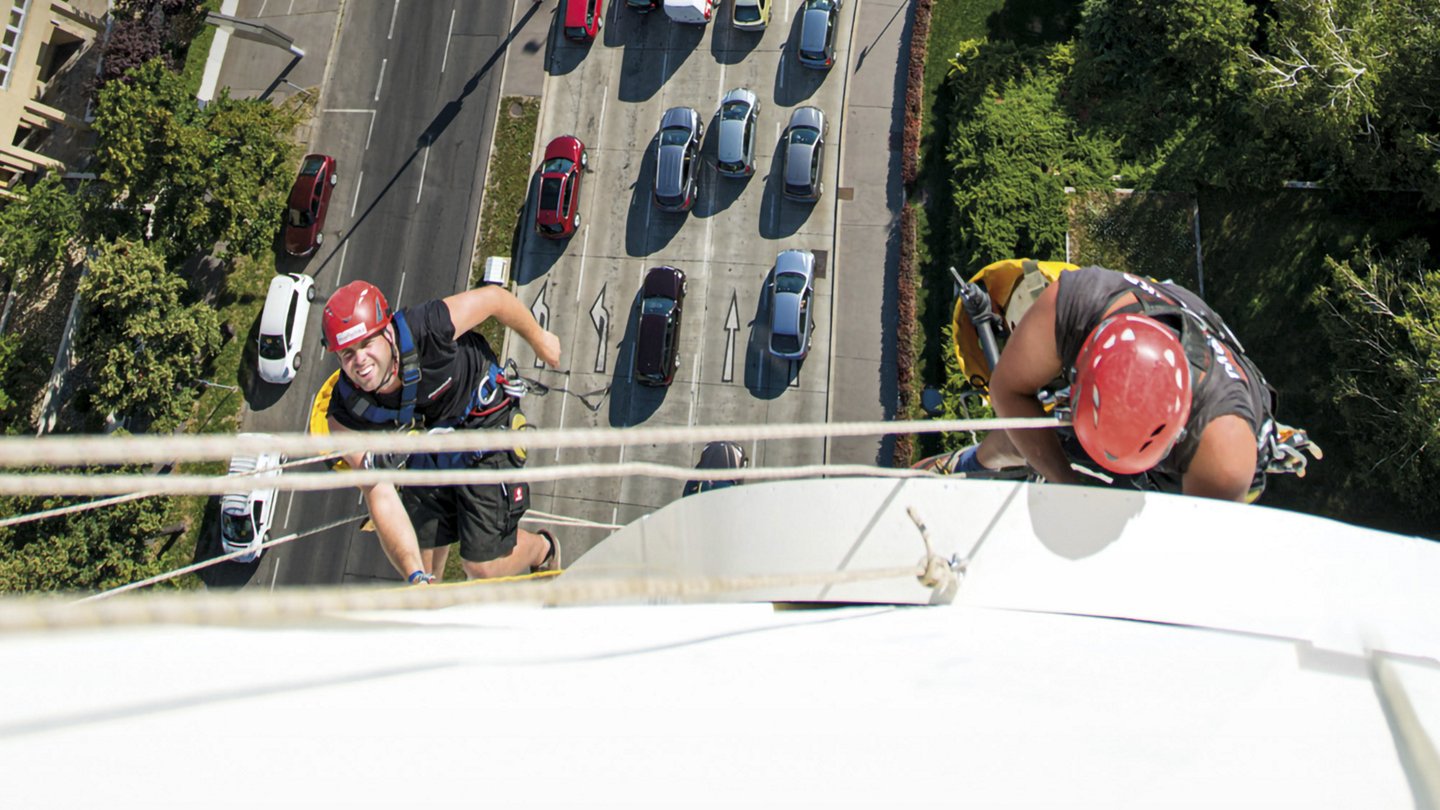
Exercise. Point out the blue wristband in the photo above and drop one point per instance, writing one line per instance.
(420, 575)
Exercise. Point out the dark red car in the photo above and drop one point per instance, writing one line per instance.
(557, 211)
(309, 201)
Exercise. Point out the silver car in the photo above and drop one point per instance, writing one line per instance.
(677, 159)
(819, 20)
(805, 154)
(791, 295)
(739, 115)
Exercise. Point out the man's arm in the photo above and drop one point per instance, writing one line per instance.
(1223, 466)
(1030, 361)
(392, 522)
(471, 308)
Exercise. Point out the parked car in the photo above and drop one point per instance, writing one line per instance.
(677, 159)
(739, 116)
(750, 15)
(583, 19)
(247, 512)
(642, 6)
(690, 12)
(804, 146)
(557, 206)
(282, 326)
(717, 456)
(657, 345)
(309, 202)
(791, 293)
(818, 21)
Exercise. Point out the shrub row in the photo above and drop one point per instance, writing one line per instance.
(906, 361)
(915, 92)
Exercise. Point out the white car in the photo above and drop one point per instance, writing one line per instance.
(247, 511)
(282, 325)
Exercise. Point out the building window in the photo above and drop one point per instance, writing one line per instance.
(10, 42)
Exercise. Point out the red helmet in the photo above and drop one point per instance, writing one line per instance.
(1131, 393)
(355, 312)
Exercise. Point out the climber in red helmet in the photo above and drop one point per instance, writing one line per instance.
(1162, 395)
(424, 368)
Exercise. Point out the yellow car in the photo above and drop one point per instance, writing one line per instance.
(750, 15)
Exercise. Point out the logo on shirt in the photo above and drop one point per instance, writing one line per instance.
(519, 493)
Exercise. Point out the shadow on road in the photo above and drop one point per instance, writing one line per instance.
(630, 402)
(645, 69)
(647, 228)
(794, 82)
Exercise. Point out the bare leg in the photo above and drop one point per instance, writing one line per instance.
(530, 550)
(434, 559)
(996, 451)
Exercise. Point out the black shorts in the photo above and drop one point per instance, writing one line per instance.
(482, 517)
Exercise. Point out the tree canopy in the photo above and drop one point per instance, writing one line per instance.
(92, 550)
(38, 233)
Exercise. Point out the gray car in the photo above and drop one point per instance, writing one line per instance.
(739, 115)
(791, 295)
(819, 20)
(677, 159)
(805, 154)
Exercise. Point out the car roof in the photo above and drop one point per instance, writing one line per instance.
(721, 455)
(813, 22)
(797, 163)
(730, 146)
(277, 304)
(668, 170)
(785, 317)
(650, 344)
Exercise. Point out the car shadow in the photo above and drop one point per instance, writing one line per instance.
(625, 27)
(537, 254)
(794, 82)
(717, 192)
(640, 77)
(566, 55)
(765, 376)
(730, 45)
(780, 217)
(259, 395)
(647, 228)
(630, 402)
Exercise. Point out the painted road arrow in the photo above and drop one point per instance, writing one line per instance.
(541, 311)
(600, 316)
(732, 325)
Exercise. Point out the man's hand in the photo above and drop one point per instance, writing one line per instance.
(547, 348)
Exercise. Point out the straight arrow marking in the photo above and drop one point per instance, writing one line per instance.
(732, 325)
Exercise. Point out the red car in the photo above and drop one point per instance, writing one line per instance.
(582, 19)
(309, 201)
(557, 211)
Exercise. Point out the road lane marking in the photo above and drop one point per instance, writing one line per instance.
(356, 198)
(600, 317)
(340, 273)
(424, 162)
(288, 503)
(445, 60)
(401, 294)
(541, 312)
(394, 12)
(380, 81)
(274, 573)
(732, 328)
(370, 130)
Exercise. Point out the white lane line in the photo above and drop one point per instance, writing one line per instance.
(394, 12)
(288, 504)
(423, 164)
(340, 273)
(355, 199)
(400, 296)
(445, 60)
(275, 572)
(380, 80)
(369, 130)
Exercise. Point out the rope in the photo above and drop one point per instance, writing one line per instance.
(190, 569)
(23, 451)
(74, 484)
(550, 518)
(293, 606)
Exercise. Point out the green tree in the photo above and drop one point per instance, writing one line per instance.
(190, 178)
(92, 550)
(146, 347)
(1381, 315)
(38, 231)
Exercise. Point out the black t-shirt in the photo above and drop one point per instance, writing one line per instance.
(1232, 387)
(450, 371)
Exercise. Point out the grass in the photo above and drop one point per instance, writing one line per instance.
(507, 182)
(198, 52)
(1146, 233)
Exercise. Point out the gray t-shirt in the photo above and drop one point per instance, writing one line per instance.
(1232, 385)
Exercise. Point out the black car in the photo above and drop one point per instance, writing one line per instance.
(643, 6)
(657, 345)
(717, 456)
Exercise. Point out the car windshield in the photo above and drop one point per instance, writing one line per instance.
(656, 306)
(734, 111)
(237, 528)
(785, 344)
(299, 218)
(745, 14)
(804, 135)
(311, 166)
(272, 347)
(792, 283)
(818, 5)
(674, 136)
(557, 165)
(550, 194)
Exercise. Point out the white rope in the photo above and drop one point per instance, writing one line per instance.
(550, 518)
(190, 569)
(250, 607)
(18, 451)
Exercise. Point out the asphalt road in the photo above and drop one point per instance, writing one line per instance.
(408, 116)
(611, 94)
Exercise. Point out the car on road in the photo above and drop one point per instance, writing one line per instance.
(690, 12)
(804, 146)
(792, 293)
(750, 15)
(557, 204)
(642, 6)
(247, 511)
(309, 202)
(583, 19)
(677, 159)
(657, 344)
(717, 456)
(818, 22)
(739, 118)
(282, 326)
